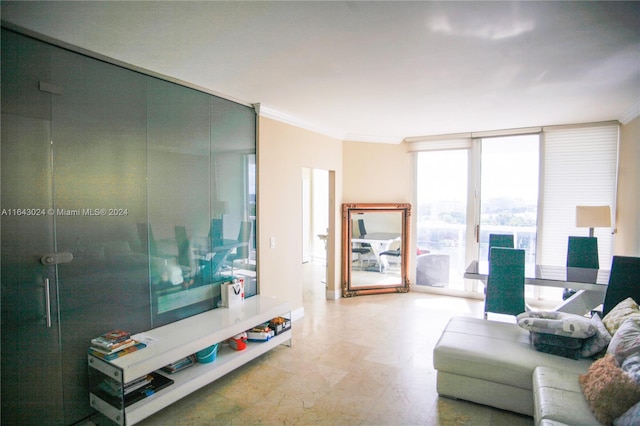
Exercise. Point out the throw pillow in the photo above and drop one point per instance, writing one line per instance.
(598, 342)
(626, 341)
(609, 391)
(631, 417)
(631, 366)
(558, 323)
(567, 347)
(619, 314)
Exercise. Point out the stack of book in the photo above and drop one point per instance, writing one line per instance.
(134, 390)
(180, 365)
(114, 344)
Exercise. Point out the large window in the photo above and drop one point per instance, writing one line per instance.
(509, 191)
(526, 185)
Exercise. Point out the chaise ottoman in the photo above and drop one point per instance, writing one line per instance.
(492, 363)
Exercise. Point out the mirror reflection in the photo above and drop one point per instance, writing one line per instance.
(374, 244)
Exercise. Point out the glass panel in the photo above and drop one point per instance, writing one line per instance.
(509, 195)
(509, 192)
(176, 236)
(441, 218)
(233, 199)
(99, 160)
(30, 349)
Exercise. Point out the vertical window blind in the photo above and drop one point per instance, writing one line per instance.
(579, 167)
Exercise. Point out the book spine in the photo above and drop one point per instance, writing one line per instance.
(116, 355)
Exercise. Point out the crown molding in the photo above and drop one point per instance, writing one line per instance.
(351, 137)
(631, 113)
(264, 111)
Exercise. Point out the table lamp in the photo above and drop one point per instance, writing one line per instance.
(592, 217)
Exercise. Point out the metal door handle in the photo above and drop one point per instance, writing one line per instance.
(47, 303)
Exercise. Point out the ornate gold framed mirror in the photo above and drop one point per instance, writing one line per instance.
(374, 247)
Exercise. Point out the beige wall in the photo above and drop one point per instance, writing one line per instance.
(368, 173)
(627, 239)
(376, 173)
(283, 151)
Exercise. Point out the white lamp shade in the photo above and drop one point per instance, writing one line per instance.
(593, 217)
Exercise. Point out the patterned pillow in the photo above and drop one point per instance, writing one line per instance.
(559, 323)
(609, 391)
(626, 341)
(598, 342)
(619, 313)
(631, 366)
(631, 417)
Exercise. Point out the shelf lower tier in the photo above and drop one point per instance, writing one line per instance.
(189, 380)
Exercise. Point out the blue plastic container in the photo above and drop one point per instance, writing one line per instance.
(207, 354)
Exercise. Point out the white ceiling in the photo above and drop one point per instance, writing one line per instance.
(375, 71)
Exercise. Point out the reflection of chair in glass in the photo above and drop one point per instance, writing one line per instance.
(361, 249)
(432, 269)
(215, 231)
(242, 252)
(582, 252)
(183, 246)
(624, 281)
(148, 242)
(505, 283)
(391, 253)
(361, 252)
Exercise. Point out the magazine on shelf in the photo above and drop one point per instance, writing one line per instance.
(123, 345)
(157, 382)
(114, 355)
(111, 339)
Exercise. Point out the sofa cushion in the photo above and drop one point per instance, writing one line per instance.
(597, 343)
(558, 398)
(619, 314)
(494, 351)
(558, 323)
(609, 391)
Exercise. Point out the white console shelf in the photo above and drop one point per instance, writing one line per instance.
(183, 338)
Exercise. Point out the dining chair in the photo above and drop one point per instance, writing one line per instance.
(624, 281)
(361, 249)
(361, 252)
(582, 252)
(392, 253)
(500, 240)
(505, 283)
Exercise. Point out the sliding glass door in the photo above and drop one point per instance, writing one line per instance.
(509, 192)
(442, 217)
(489, 186)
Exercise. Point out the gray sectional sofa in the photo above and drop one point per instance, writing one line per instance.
(493, 363)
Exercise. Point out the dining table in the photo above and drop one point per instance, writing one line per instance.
(590, 284)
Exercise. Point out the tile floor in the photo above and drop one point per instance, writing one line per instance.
(357, 361)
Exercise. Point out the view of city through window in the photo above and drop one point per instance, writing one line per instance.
(508, 194)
